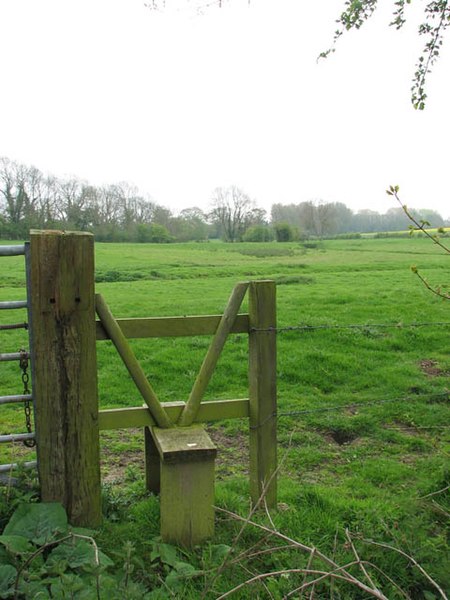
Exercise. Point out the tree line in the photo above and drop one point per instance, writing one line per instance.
(119, 212)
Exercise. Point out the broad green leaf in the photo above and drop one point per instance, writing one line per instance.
(73, 586)
(34, 590)
(184, 569)
(16, 544)
(177, 578)
(219, 552)
(166, 553)
(157, 594)
(77, 553)
(8, 576)
(39, 523)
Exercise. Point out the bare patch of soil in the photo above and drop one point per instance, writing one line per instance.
(232, 452)
(430, 367)
(121, 450)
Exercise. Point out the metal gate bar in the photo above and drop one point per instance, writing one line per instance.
(13, 326)
(15, 250)
(31, 464)
(16, 437)
(13, 304)
(16, 398)
(9, 356)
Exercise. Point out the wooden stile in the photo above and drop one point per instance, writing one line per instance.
(179, 460)
(65, 372)
(262, 392)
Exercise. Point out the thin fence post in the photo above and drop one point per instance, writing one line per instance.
(262, 391)
(152, 463)
(65, 372)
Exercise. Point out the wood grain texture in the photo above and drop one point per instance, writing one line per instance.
(137, 416)
(65, 372)
(263, 392)
(152, 463)
(151, 327)
(187, 456)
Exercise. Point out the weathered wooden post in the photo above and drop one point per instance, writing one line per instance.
(263, 392)
(65, 372)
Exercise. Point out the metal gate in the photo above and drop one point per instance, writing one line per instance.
(22, 357)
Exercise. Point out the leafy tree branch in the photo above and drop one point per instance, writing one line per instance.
(436, 21)
(421, 225)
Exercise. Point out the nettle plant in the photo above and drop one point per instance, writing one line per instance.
(42, 557)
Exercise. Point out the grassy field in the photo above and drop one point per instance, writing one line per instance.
(363, 401)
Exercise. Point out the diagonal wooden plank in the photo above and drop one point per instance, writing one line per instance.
(212, 356)
(134, 368)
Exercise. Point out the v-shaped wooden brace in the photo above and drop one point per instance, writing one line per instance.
(192, 406)
(134, 368)
(212, 356)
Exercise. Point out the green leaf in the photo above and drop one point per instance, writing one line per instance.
(157, 594)
(166, 553)
(34, 589)
(16, 544)
(174, 581)
(73, 586)
(184, 569)
(8, 576)
(77, 553)
(219, 552)
(39, 523)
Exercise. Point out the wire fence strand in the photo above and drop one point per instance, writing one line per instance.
(362, 326)
(440, 396)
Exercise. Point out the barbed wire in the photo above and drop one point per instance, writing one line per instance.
(292, 413)
(366, 326)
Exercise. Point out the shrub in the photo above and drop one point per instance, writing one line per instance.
(258, 233)
(285, 232)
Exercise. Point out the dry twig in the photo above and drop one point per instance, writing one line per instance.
(414, 562)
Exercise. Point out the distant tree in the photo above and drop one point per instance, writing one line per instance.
(233, 212)
(190, 225)
(316, 218)
(284, 232)
(159, 234)
(367, 221)
(343, 217)
(259, 233)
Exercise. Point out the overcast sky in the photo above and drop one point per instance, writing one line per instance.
(179, 104)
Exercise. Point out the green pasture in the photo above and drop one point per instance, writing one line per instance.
(363, 398)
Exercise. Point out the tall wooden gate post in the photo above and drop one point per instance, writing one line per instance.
(65, 372)
(262, 392)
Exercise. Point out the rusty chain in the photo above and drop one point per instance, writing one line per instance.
(27, 405)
